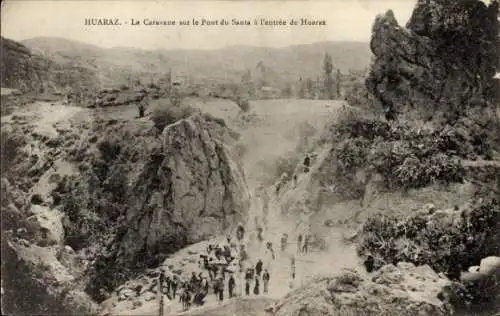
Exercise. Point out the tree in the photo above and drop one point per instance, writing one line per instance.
(169, 81)
(246, 82)
(328, 80)
(309, 88)
(301, 92)
(337, 82)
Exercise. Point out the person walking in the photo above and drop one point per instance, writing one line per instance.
(256, 286)
(168, 282)
(292, 267)
(248, 279)
(265, 280)
(305, 247)
(299, 243)
(174, 286)
(231, 286)
(220, 289)
(270, 249)
(307, 163)
(258, 267)
(161, 281)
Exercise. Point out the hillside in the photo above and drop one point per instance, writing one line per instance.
(31, 72)
(419, 182)
(221, 65)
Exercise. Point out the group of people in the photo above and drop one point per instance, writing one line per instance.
(218, 271)
(256, 275)
(215, 275)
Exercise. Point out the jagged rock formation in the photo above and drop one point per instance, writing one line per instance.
(188, 191)
(398, 290)
(444, 60)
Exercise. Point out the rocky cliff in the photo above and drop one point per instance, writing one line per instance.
(189, 190)
(443, 60)
(105, 198)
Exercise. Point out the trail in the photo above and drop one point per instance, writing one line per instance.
(276, 134)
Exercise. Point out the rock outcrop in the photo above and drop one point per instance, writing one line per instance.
(444, 60)
(189, 190)
(394, 290)
(182, 187)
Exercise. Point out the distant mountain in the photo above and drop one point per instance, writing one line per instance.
(201, 66)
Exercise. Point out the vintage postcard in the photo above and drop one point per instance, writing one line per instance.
(268, 158)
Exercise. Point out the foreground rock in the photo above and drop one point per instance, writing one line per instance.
(398, 290)
(35, 271)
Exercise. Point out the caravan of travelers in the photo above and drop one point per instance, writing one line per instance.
(240, 265)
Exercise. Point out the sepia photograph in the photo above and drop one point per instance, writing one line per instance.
(250, 157)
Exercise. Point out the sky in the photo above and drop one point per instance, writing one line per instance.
(346, 20)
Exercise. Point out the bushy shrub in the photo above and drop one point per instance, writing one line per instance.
(406, 155)
(444, 241)
(167, 115)
(357, 95)
(352, 153)
(109, 148)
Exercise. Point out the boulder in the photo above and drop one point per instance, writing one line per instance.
(490, 266)
(46, 225)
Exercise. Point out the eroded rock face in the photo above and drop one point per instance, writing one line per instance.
(189, 190)
(444, 59)
(400, 290)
